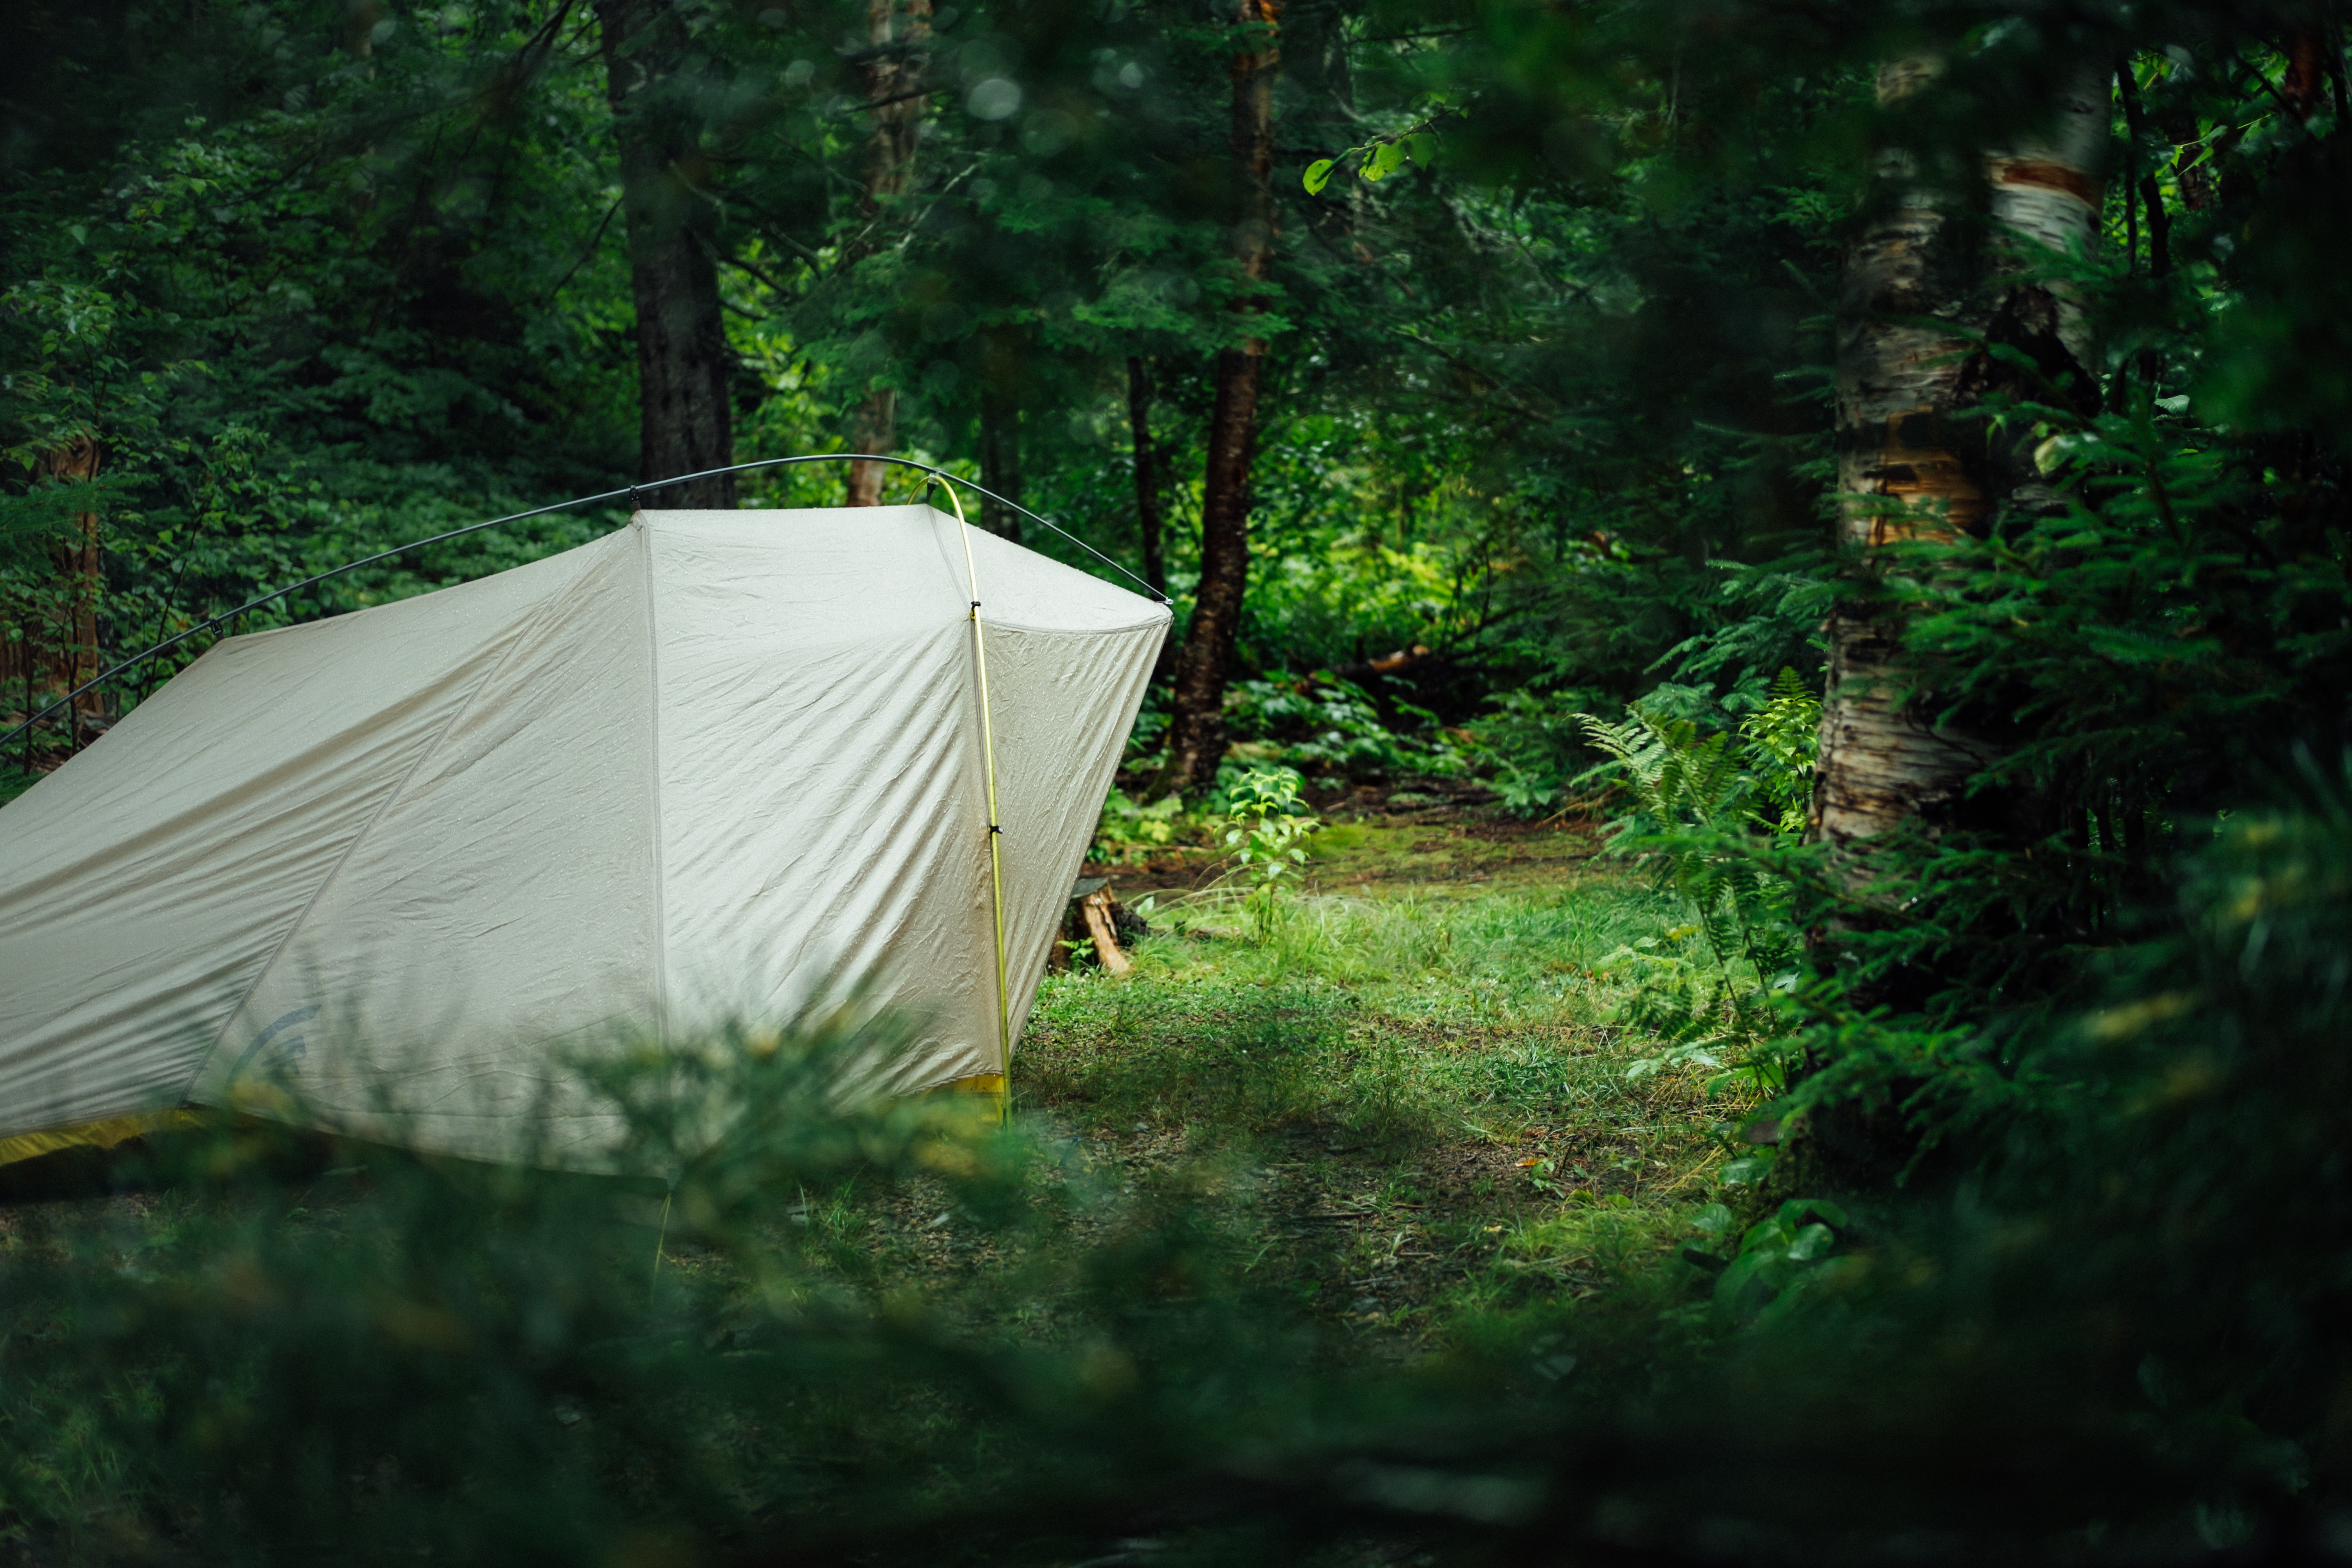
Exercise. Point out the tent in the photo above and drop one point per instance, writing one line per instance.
(410, 860)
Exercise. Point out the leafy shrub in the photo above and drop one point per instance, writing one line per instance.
(1533, 747)
(1130, 833)
(1698, 801)
(1784, 738)
(1329, 726)
(1267, 835)
(1779, 1258)
(1716, 816)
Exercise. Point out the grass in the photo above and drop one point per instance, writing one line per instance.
(1427, 1065)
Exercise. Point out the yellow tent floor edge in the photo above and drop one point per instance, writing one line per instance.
(990, 1085)
(101, 1135)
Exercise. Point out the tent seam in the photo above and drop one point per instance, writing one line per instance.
(310, 905)
(1146, 625)
(654, 750)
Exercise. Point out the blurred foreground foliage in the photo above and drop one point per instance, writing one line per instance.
(2122, 1339)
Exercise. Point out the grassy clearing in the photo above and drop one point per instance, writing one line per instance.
(1423, 1072)
(1399, 1128)
(1407, 1107)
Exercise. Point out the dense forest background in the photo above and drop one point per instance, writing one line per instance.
(289, 289)
(1888, 459)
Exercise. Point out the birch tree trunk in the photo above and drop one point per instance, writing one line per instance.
(686, 423)
(1196, 729)
(897, 40)
(1919, 286)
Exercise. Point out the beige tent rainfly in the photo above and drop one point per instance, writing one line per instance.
(410, 860)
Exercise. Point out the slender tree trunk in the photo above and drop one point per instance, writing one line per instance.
(1000, 460)
(1147, 472)
(683, 357)
(873, 430)
(55, 644)
(2150, 190)
(1915, 288)
(2306, 74)
(79, 563)
(1196, 729)
(897, 38)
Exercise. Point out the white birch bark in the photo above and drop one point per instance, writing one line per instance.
(1906, 360)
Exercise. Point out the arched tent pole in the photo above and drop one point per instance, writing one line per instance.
(995, 826)
(632, 492)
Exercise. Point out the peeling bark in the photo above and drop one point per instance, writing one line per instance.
(1196, 729)
(1915, 293)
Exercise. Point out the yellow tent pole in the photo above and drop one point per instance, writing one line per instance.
(995, 827)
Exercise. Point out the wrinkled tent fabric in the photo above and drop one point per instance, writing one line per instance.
(712, 767)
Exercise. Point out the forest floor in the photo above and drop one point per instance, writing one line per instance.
(1410, 1100)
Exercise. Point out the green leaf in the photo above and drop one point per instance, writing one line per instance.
(1421, 147)
(1747, 1171)
(1814, 1241)
(1820, 1208)
(1318, 174)
(1750, 1267)
(1383, 161)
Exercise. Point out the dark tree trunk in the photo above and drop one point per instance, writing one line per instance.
(81, 562)
(683, 358)
(1147, 472)
(1196, 730)
(2150, 189)
(1196, 727)
(875, 429)
(1000, 460)
(895, 41)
